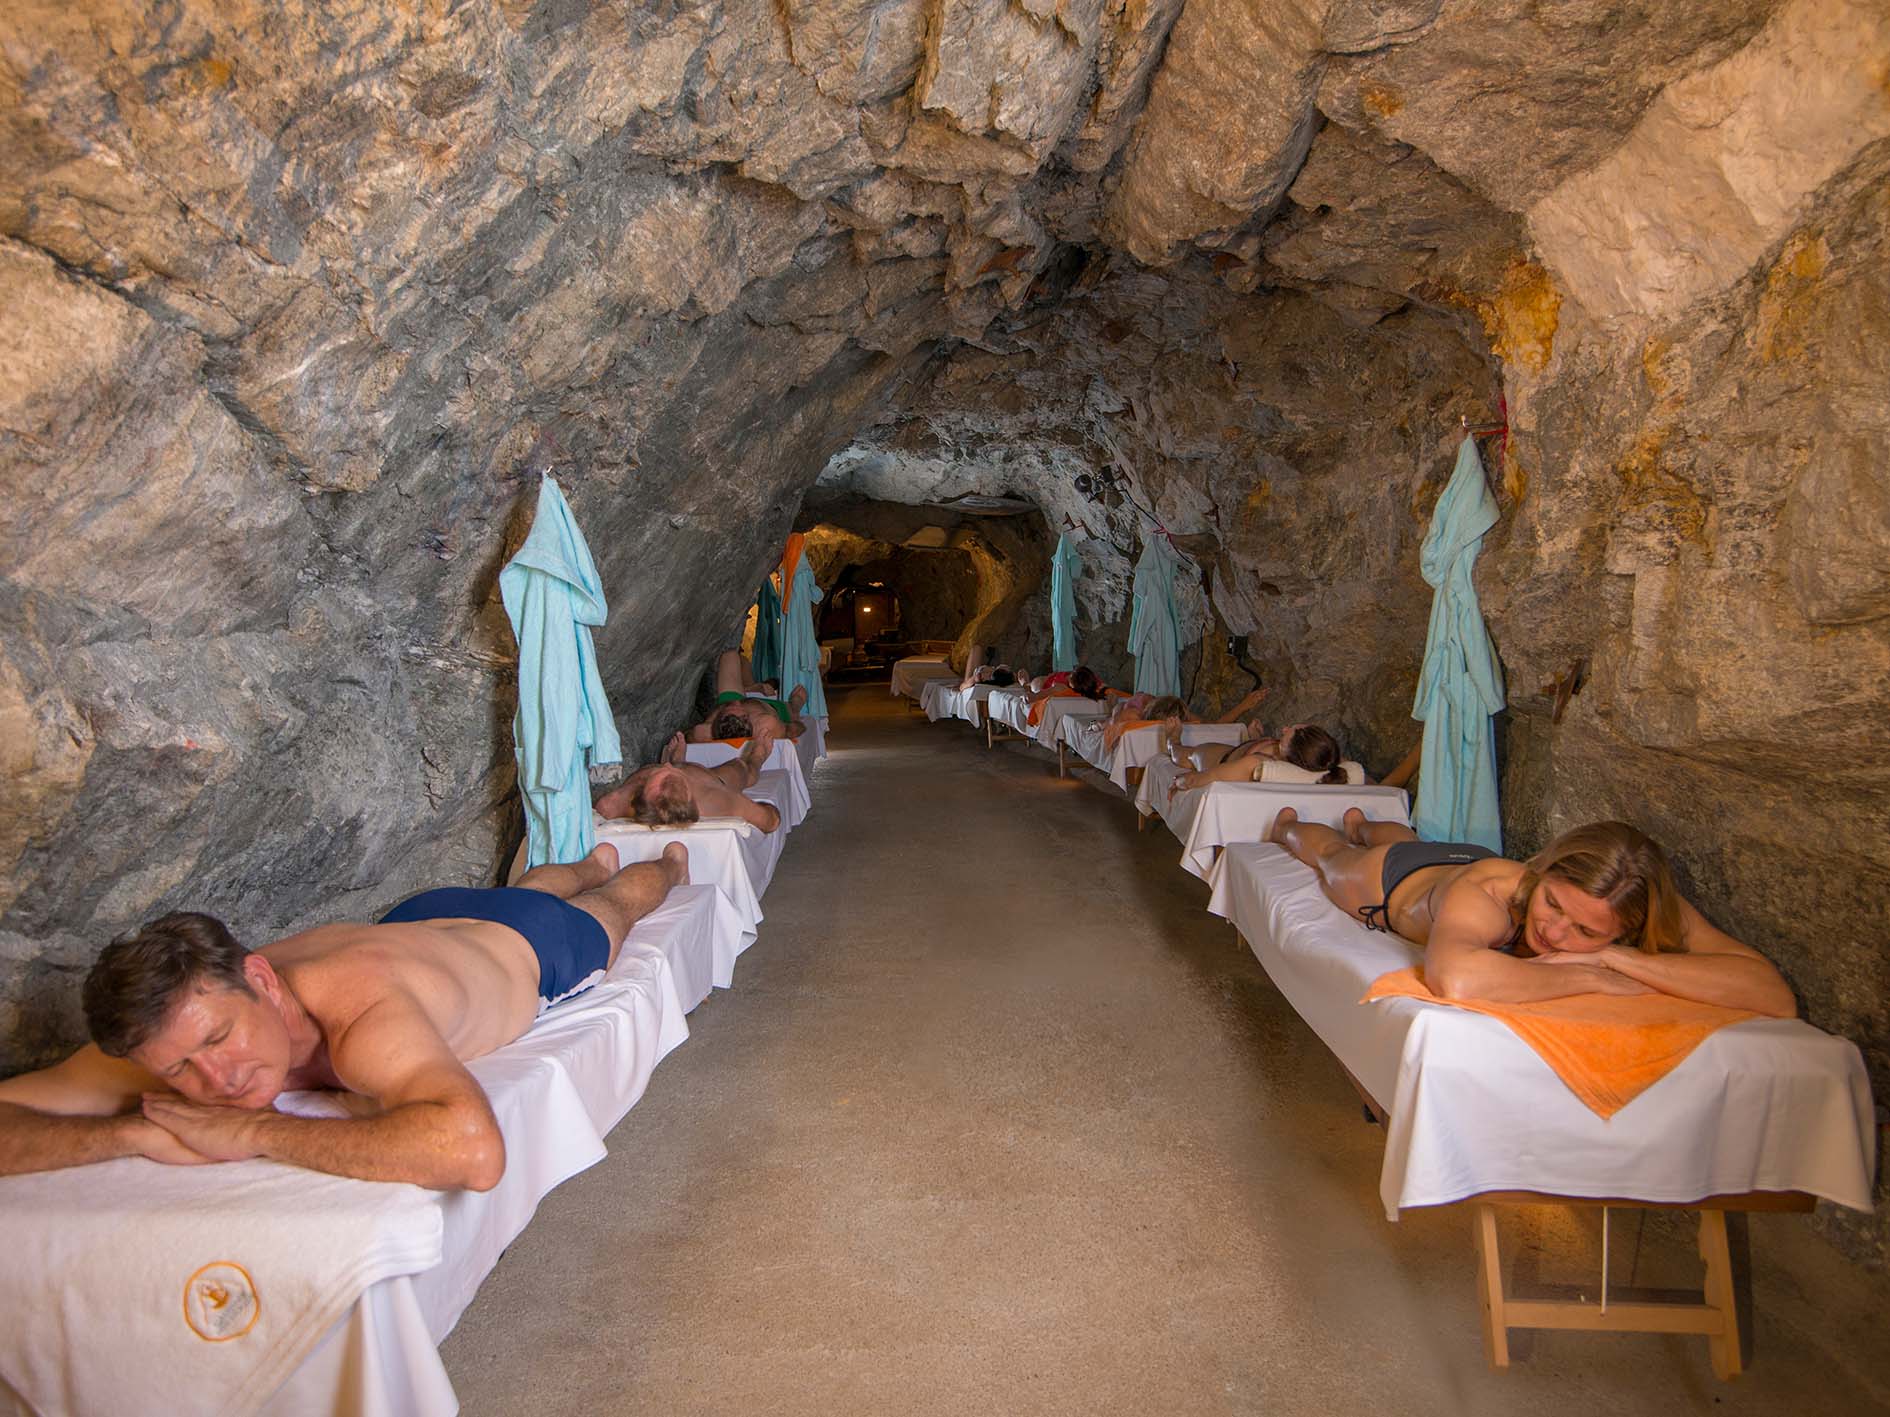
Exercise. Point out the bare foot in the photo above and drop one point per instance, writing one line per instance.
(676, 750)
(1171, 730)
(1354, 826)
(797, 700)
(1286, 817)
(676, 858)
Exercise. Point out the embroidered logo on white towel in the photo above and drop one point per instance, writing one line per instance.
(220, 1302)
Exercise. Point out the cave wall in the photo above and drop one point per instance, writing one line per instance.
(301, 300)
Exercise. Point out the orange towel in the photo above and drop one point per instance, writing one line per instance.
(790, 558)
(1113, 731)
(1608, 1048)
(1035, 716)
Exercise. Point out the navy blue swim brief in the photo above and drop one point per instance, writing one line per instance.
(571, 945)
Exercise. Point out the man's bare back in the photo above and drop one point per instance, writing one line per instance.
(390, 1011)
(676, 791)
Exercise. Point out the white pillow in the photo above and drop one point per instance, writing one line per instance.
(1274, 770)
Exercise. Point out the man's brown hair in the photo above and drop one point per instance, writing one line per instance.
(674, 808)
(140, 977)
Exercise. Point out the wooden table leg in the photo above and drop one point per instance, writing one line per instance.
(1490, 1286)
(1724, 1345)
(1059, 757)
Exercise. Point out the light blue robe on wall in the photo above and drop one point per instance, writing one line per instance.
(563, 726)
(1154, 623)
(1066, 564)
(1462, 680)
(800, 645)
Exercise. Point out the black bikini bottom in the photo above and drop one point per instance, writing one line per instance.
(1404, 857)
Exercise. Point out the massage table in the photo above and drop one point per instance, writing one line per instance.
(939, 699)
(1763, 1115)
(1006, 712)
(785, 757)
(909, 674)
(735, 856)
(256, 1287)
(1135, 749)
(1208, 818)
(1056, 711)
(811, 746)
(968, 704)
(942, 698)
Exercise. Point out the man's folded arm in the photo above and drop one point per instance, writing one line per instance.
(436, 1129)
(77, 1112)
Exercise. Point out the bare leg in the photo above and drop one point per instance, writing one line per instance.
(632, 893)
(1171, 735)
(574, 878)
(1360, 830)
(729, 678)
(1351, 876)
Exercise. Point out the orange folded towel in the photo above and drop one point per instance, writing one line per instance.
(1608, 1048)
(1113, 731)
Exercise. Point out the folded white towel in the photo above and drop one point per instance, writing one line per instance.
(1273, 770)
(213, 1282)
(701, 824)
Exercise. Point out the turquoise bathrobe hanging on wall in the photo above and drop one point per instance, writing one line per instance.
(1462, 680)
(800, 646)
(1065, 566)
(563, 726)
(1154, 623)
(766, 659)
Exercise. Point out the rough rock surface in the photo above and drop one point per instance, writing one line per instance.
(301, 299)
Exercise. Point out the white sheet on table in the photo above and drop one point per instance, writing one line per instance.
(1084, 737)
(908, 674)
(1009, 707)
(716, 859)
(939, 698)
(1056, 710)
(970, 703)
(812, 746)
(1141, 746)
(1769, 1105)
(1224, 812)
(784, 758)
(316, 1247)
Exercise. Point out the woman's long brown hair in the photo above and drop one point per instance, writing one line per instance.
(1621, 865)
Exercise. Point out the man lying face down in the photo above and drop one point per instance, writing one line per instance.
(743, 708)
(194, 1036)
(675, 792)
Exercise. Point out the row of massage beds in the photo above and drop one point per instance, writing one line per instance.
(260, 1288)
(1761, 1115)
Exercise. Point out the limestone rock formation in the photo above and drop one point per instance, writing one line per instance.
(302, 299)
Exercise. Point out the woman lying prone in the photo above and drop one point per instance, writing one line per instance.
(1597, 912)
(1305, 745)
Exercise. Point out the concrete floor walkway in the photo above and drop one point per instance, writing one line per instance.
(997, 1119)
